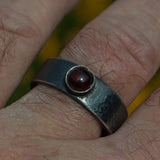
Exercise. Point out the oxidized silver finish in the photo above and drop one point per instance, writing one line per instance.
(101, 100)
(75, 91)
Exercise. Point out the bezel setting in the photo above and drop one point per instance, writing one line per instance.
(90, 87)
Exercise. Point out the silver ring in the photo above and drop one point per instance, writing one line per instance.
(87, 89)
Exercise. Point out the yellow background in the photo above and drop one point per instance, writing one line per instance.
(71, 24)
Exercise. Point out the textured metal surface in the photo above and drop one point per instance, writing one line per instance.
(101, 101)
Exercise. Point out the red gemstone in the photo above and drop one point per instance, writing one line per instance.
(80, 79)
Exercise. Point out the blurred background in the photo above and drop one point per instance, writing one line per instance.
(84, 12)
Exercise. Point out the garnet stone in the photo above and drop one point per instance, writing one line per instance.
(80, 79)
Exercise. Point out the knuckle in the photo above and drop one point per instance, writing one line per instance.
(124, 45)
(85, 47)
(132, 45)
(7, 44)
(15, 28)
(18, 24)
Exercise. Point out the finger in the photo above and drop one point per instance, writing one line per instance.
(121, 52)
(140, 136)
(24, 28)
(45, 148)
(120, 49)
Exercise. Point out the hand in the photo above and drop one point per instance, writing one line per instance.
(121, 46)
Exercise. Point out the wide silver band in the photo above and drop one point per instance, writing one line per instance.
(101, 101)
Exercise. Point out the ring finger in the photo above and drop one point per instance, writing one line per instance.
(119, 47)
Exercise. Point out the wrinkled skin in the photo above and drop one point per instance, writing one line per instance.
(121, 46)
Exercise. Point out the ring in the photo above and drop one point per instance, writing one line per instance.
(81, 84)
